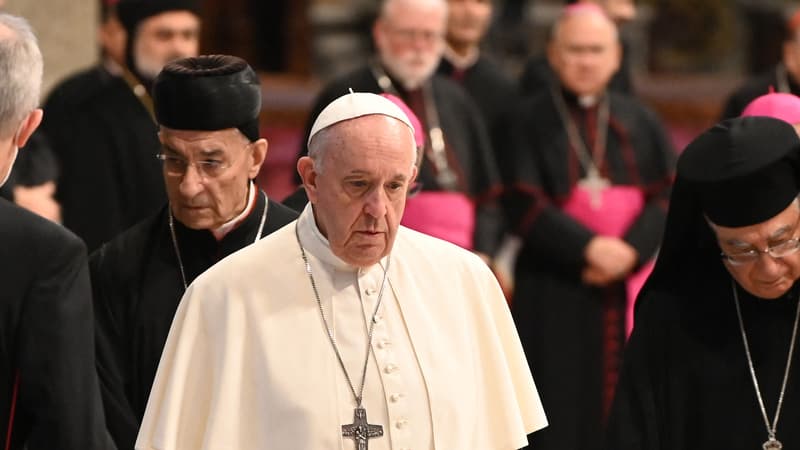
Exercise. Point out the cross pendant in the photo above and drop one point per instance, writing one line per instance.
(772, 444)
(595, 184)
(360, 430)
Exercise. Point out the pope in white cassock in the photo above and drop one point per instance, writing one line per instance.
(344, 330)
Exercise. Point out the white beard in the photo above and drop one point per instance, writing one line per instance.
(10, 166)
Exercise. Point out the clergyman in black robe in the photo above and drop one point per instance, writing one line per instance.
(138, 278)
(49, 394)
(102, 131)
(585, 172)
(730, 244)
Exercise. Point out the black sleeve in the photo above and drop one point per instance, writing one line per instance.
(645, 233)
(58, 388)
(489, 224)
(633, 420)
(528, 207)
(112, 354)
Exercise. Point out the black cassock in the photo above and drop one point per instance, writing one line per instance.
(469, 151)
(46, 342)
(685, 383)
(137, 287)
(489, 87)
(105, 141)
(573, 333)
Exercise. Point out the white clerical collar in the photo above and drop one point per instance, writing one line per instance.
(317, 244)
(461, 62)
(220, 232)
(588, 101)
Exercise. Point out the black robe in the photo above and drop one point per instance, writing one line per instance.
(561, 321)
(489, 87)
(467, 144)
(105, 141)
(137, 287)
(46, 337)
(686, 384)
(756, 87)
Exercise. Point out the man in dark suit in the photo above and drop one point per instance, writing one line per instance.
(49, 394)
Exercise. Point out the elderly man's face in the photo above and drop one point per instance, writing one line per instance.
(766, 277)
(207, 174)
(585, 53)
(360, 193)
(163, 38)
(467, 21)
(410, 39)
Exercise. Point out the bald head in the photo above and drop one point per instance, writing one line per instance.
(584, 50)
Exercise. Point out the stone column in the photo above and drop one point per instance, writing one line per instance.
(67, 34)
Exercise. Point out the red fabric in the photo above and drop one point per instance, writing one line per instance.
(446, 215)
(12, 411)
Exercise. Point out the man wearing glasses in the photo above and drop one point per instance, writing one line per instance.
(712, 362)
(207, 109)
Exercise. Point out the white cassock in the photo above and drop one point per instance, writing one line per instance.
(248, 363)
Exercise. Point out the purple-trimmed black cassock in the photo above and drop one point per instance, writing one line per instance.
(573, 333)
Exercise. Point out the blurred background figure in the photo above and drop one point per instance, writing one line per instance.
(101, 125)
(782, 77)
(33, 180)
(587, 177)
(538, 73)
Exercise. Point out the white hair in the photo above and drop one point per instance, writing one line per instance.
(21, 69)
(385, 9)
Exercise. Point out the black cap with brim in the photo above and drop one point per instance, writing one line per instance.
(744, 171)
(208, 93)
(132, 12)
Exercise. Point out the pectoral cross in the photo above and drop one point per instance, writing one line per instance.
(595, 184)
(360, 430)
(772, 444)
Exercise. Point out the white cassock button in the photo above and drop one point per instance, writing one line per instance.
(390, 368)
(394, 398)
(401, 423)
(383, 343)
(369, 291)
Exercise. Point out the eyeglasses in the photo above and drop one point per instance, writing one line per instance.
(176, 166)
(408, 35)
(780, 250)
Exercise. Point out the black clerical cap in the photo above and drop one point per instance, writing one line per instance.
(132, 12)
(211, 92)
(744, 170)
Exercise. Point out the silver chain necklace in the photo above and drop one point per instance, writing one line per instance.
(772, 442)
(360, 430)
(178, 250)
(591, 161)
(445, 176)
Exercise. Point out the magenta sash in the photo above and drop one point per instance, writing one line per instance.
(619, 208)
(446, 215)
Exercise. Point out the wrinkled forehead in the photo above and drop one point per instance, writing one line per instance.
(189, 142)
(361, 136)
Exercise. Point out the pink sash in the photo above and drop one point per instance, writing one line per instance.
(446, 215)
(620, 206)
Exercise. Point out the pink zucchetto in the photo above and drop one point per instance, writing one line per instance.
(778, 105)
